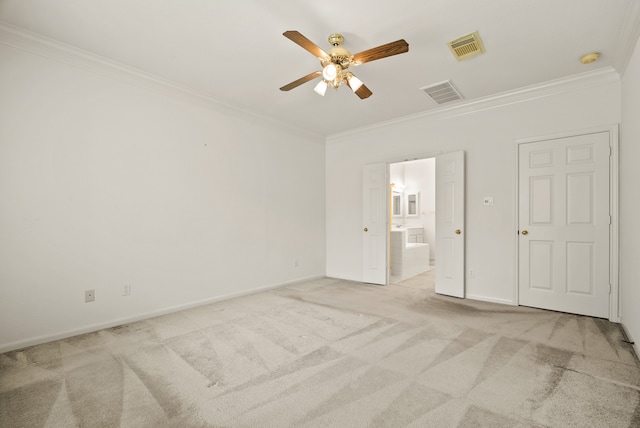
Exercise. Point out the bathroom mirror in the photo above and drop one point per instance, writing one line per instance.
(413, 203)
(396, 205)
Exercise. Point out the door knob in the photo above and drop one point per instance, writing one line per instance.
(366, 230)
(524, 232)
(458, 232)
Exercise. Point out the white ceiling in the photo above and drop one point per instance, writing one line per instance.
(234, 51)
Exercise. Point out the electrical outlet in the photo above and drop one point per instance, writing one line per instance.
(126, 290)
(89, 295)
(296, 263)
(472, 273)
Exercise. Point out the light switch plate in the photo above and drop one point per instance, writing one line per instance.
(488, 200)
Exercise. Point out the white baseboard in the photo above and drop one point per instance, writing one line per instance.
(630, 339)
(38, 340)
(491, 299)
(337, 275)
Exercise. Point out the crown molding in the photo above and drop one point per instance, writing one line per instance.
(628, 38)
(57, 51)
(70, 55)
(601, 76)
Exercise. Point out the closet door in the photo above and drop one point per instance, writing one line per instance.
(564, 222)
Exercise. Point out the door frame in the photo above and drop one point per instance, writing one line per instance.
(614, 240)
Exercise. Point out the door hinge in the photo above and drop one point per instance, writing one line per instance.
(610, 151)
(610, 287)
(609, 220)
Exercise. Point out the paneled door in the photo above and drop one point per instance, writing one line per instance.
(564, 221)
(450, 224)
(374, 224)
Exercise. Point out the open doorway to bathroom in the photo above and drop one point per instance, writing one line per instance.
(412, 219)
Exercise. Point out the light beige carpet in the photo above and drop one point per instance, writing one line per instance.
(332, 353)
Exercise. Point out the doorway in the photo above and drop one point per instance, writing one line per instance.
(378, 209)
(412, 218)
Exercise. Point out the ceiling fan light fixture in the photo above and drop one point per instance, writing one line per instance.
(330, 72)
(354, 82)
(321, 88)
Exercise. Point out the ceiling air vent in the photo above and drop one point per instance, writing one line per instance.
(467, 46)
(442, 92)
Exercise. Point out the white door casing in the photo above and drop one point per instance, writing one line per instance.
(564, 224)
(374, 224)
(450, 224)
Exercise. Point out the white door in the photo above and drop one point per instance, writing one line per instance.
(564, 224)
(450, 224)
(374, 224)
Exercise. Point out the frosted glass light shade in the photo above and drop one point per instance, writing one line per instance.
(321, 88)
(330, 72)
(354, 83)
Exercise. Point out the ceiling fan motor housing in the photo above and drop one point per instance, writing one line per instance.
(338, 54)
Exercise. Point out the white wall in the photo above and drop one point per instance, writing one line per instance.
(629, 198)
(420, 176)
(105, 183)
(487, 136)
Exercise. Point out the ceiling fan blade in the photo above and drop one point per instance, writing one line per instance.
(390, 49)
(363, 92)
(301, 80)
(305, 43)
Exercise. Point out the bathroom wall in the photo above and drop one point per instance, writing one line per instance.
(418, 176)
(396, 177)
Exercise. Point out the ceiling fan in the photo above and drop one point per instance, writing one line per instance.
(337, 60)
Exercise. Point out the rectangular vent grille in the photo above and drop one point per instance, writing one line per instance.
(467, 46)
(442, 93)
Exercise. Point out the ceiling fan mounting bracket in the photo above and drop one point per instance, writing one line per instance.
(336, 39)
